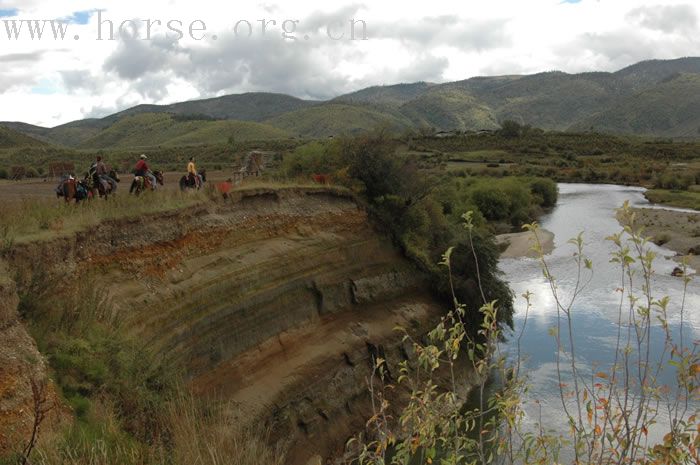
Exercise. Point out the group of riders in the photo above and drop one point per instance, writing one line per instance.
(101, 180)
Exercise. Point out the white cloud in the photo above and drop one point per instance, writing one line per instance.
(437, 41)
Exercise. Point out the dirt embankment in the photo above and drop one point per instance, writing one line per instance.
(21, 366)
(674, 230)
(276, 301)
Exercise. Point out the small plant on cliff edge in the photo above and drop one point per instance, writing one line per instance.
(613, 417)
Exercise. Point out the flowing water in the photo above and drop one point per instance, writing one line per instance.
(589, 209)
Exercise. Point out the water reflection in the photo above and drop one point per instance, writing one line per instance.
(589, 209)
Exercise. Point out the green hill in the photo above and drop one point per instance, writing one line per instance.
(671, 108)
(649, 73)
(394, 95)
(551, 100)
(336, 119)
(9, 138)
(154, 129)
(449, 109)
(252, 106)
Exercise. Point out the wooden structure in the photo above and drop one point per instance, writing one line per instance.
(17, 173)
(252, 164)
(60, 169)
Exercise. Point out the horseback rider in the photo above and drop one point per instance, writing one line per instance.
(102, 173)
(142, 169)
(192, 172)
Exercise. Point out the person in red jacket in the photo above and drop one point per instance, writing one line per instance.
(142, 169)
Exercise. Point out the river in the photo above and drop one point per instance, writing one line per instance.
(589, 209)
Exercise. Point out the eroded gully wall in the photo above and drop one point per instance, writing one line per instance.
(275, 301)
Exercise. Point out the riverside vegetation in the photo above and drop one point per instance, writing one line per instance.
(622, 414)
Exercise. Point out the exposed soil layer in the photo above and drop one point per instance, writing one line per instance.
(276, 300)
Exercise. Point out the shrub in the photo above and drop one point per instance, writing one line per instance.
(492, 202)
(546, 189)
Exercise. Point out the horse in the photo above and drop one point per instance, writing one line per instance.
(188, 181)
(142, 183)
(71, 189)
(99, 186)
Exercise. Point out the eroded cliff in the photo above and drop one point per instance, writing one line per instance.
(275, 301)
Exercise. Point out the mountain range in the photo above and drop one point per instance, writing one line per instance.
(651, 98)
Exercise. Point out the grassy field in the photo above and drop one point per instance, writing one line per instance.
(42, 217)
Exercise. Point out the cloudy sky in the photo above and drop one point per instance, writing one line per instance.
(211, 48)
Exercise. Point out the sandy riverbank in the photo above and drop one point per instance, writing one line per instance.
(520, 244)
(677, 231)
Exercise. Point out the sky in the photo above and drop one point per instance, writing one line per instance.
(170, 51)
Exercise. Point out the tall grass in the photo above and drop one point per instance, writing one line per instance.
(125, 405)
(213, 436)
(199, 434)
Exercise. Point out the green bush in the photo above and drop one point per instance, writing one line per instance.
(546, 190)
(492, 202)
(3, 173)
(312, 158)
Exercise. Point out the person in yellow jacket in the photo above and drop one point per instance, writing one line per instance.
(192, 171)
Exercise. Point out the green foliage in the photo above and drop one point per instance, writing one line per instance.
(546, 190)
(511, 129)
(312, 158)
(417, 211)
(681, 199)
(92, 358)
(371, 160)
(675, 181)
(492, 202)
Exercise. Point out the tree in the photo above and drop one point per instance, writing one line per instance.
(511, 129)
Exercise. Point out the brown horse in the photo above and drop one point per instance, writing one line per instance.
(142, 183)
(99, 186)
(188, 181)
(71, 189)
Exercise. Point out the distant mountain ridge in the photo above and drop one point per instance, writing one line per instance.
(651, 98)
